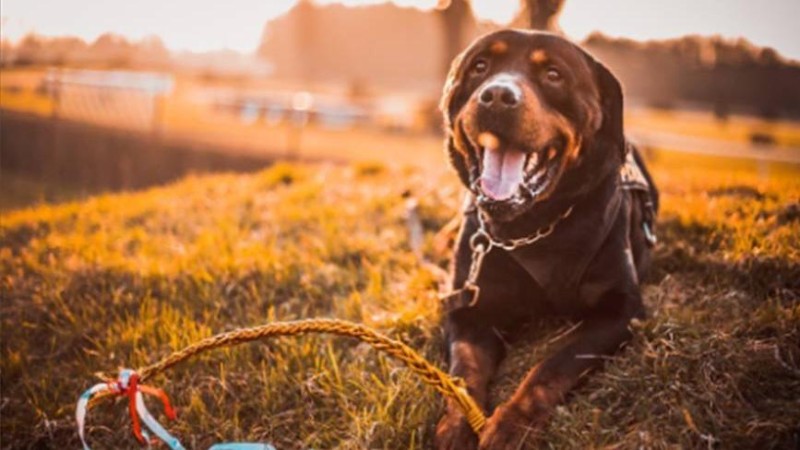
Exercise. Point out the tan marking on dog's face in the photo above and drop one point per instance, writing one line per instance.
(488, 140)
(498, 47)
(575, 153)
(538, 56)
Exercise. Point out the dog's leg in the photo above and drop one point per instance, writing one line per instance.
(474, 354)
(474, 345)
(547, 384)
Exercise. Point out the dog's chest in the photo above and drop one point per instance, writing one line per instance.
(557, 264)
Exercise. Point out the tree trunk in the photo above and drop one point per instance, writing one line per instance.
(541, 14)
(454, 16)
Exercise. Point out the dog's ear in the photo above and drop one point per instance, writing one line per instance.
(457, 159)
(448, 104)
(611, 103)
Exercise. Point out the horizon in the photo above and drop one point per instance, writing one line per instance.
(240, 30)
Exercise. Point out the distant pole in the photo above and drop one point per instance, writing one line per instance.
(157, 125)
(55, 85)
(294, 137)
(302, 103)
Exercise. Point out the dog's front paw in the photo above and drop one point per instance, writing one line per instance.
(509, 428)
(454, 433)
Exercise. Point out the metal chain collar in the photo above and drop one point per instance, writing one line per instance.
(515, 243)
(482, 242)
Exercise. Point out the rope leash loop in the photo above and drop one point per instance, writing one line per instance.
(431, 375)
(129, 382)
(83, 403)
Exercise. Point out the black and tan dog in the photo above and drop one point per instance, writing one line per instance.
(559, 220)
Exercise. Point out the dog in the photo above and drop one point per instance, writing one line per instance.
(558, 220)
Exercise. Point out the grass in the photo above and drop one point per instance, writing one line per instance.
(20, 91)
(121, 280)
(18, 191)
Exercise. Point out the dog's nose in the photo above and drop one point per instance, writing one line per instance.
(499, 96)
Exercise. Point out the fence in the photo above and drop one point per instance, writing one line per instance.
(131, 100)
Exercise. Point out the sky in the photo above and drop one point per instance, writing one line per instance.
(201, 25)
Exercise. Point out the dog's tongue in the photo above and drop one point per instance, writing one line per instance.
(502, 172)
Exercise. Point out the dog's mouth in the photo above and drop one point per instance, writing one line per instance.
(516, 176)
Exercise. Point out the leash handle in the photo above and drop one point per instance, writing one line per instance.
(127, 384)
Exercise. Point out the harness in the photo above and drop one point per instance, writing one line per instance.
(482, 242)
(632, 179)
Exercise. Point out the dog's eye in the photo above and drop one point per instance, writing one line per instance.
(480, 66)
(553, 75)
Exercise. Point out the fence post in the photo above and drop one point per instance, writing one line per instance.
(55, 88)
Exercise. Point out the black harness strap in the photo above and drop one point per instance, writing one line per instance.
(632, 179)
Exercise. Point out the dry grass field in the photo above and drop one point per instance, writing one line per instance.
(121, 280)
(786, 133)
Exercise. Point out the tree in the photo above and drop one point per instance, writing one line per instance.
(540, 14)
(29, 50)
(112, 49)
(454, 15)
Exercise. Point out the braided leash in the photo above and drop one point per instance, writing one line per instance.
(448, 386)
(430, 374)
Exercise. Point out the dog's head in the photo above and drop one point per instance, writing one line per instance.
(530, 117)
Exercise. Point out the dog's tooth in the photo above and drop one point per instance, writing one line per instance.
(539, 186)
(533, 161)
(551, 153)
(488, 141)
(535, 176)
